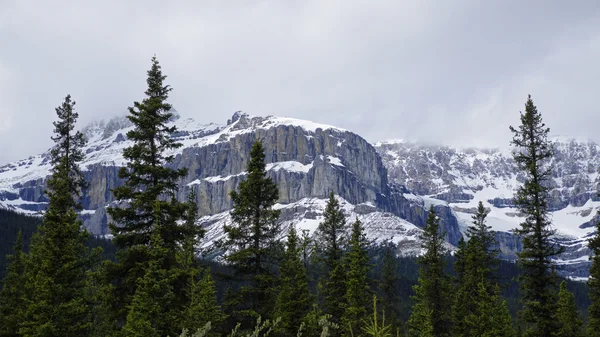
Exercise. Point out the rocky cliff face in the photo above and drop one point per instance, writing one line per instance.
(389, 186)
(305, 159)
(463, 177)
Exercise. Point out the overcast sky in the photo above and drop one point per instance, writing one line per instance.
(452, 72)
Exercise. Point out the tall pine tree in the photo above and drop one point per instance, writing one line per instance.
(329, 241)
(251, 240)
(538, 280)
(12, 293)
(358, 293)
(431, 313)
(148, 203)
(58, 260)
(594, 285)
(294, 299)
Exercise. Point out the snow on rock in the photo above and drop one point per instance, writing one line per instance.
(306, 214)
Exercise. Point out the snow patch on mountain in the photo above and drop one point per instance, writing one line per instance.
(306, 214)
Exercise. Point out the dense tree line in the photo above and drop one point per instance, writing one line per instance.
(274, 280)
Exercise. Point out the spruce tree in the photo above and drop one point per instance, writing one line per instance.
(13, 293)
(431, 313)
(147, 202)
(570, 325)
(358, 293)
(56, 269)
(594, 285)
(294, 300)
(251, 240)
(490, 316)
(329, 241)
(538, 280)
(388, 288)
(201, 304)
(475, 265)
(151, 310)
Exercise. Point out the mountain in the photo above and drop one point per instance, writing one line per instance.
(389, 185)
(306, 160)
(463, 177)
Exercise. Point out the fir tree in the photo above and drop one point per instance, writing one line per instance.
(147, 201)
(294, 299)
(432, 309)
(538, 280)
(203, 306)
(490, 316)
(388, 288)
(56, 269)
(330, 241)
(150, 311)
(13, 293)
(594, 285)
(251, 241)
(475, 265)
(570, 325)
(356, 264)
(200, 291)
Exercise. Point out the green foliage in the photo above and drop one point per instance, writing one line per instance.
(356, 264)
(294, 299)
(329, 241)
(151, 312)
(148, 209)
(56, 269)
(201, 305)
(12, 294)
(374, 328)
(388, 288)
(433, 293)
(594, 285)
(476, 289)
(567, 315)
(538, 280)
(251, 241)
(490, 316)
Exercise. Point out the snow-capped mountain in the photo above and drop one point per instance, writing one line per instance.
(463, 177)
(388, 186)
(306, 160)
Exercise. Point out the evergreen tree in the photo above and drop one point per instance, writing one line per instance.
(475, 265)
(594, 285)
(356, 264)
(203, 306)
(200, 291)
(12, 293)
(432, 308)
(150, 311)
(294, 300)
(147, 203)
(570, 325)
(329, 242)
(251, 240)
(388, 288)
(538, 280)
(56, 270)
(490, 316)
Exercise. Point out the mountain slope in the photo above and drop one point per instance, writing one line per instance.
(305, 159)
(463, 177)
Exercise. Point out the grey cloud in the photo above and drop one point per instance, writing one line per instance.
(453, 72)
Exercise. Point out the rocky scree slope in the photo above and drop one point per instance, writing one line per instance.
(305, 159)
(460, 178)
